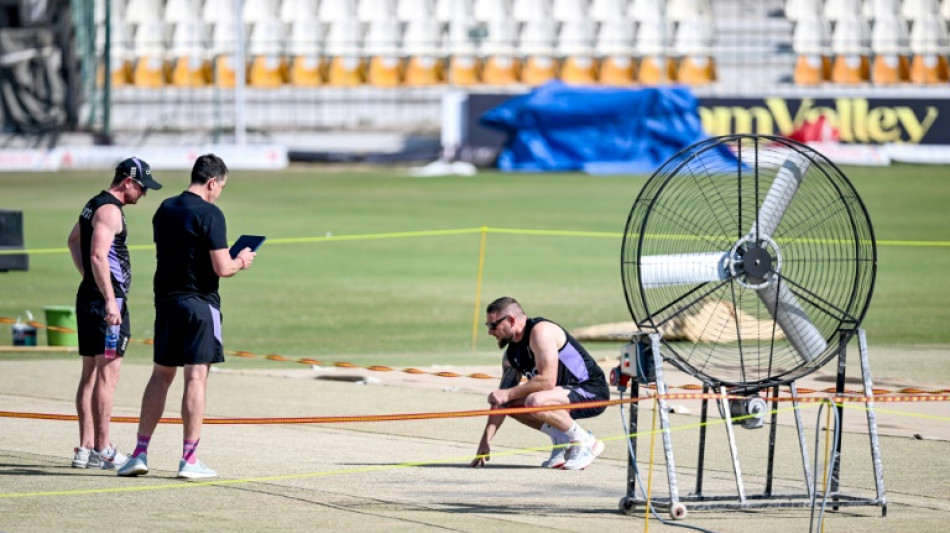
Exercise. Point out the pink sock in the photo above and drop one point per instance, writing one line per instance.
(141, 445)
(188, 451)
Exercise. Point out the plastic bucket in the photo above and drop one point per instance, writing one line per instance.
(24, 335)
(58, 319)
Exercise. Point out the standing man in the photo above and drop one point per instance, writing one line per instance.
(97, 244)
(191, 249)
(559, 372)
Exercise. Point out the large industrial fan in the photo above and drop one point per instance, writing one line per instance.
(748, 262)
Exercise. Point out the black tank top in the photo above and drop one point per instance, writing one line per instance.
(120, 267)
(574, 365)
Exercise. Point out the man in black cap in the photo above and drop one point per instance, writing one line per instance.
(98, 246)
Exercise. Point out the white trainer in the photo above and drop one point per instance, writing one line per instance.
(581, 454)
(558, 457)
(196, 470)
(111, 458)
(81, 459)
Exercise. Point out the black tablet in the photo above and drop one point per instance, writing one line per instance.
(247, 241)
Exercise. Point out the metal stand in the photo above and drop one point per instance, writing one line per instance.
(674, 503)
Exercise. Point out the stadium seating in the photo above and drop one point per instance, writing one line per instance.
(531, 10)
(847, 10)
(189, 54)
(151, 66)
(882, 9)
(491, 10)
(222, 53)
(422, 45)
(293, 11)
(144, 11)
(889, 43)
(463, 61)
(216, 12)
(914, 10)
(575, 44)
(928, 42)
(182, 11)
(570, 10)
(266, 53)
(850, 42)
(373, 10)
(450, 10)
(116, 12)
(656, 67)
(255, 11)
(811, 42)
(615, 40)
(651, 11)
(608, 10)
(415, 10)
(945, 10)
(344, 49)
(693, 45)
(796, 10)
(307, 67)
(536, 47)
(501, 64)
(382, 47)
(337, 11)
(120, 59)
(682, 10)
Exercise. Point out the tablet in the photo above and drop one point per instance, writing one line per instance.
(247, 241)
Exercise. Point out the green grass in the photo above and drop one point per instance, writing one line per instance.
(410, 300)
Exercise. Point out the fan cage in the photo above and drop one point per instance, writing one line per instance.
(706, 200)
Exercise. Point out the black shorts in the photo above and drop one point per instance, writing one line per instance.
(91, 323)
(187, 332)
(588, 391)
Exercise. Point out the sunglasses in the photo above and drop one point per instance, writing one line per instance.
(493, 325)
(140, 184)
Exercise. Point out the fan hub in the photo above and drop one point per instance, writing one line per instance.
(757, 262)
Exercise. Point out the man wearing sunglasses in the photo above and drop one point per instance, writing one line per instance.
(559, 372)
(97, 244)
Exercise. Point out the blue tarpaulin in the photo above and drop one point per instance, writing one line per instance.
(598, 130)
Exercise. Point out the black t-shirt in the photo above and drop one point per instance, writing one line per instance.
(186, 228)
(120, 267)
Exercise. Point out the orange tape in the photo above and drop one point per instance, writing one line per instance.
(480, 412)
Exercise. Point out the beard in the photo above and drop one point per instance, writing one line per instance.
(502, 343)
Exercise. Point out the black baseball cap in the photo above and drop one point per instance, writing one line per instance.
(138, 170)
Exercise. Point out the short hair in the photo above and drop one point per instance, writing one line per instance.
(505, 304)
(206, 167)
(118, 178)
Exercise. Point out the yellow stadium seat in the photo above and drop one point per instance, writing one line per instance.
(120, 59)
(618, 70)
(536, 46)
(421, 44)
(501, 65)
(307, 65)
(928, 43)
(810, 40)
(850, 43)
(657, 70)
(222, 49)
(344, 40)
(693, 44)
(616, 48)
(190, 64)
(576, 45)
(889, 44)
(151, 65)
(382, 45)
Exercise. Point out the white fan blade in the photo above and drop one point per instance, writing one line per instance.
(659, 270)
(780, 194)
(799, 330)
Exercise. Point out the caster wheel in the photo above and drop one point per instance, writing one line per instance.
(626, 505)
(678, 511)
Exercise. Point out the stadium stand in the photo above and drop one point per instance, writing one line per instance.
(420, 43)
(120, 58)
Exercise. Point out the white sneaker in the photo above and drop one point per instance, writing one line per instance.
(581, 454)
(81, 459)
(558, 457)
(94, 460)
(111, 458)
(196, 470)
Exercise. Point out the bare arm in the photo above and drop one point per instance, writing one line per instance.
(225, 267)
(74, 242)
(106, 223)
(545, 339)
(508, 379)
